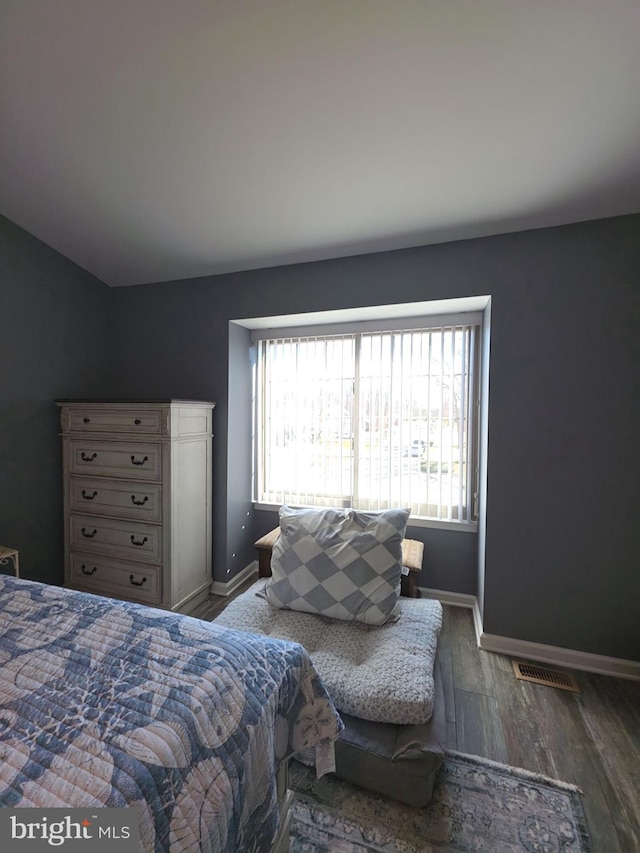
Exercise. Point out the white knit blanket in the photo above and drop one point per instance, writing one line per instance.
(381, 673)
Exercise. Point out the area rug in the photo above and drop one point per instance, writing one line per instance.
(476, 805)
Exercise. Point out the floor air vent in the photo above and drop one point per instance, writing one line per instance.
(543, 675)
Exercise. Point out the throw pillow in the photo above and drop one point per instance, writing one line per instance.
(341, 563)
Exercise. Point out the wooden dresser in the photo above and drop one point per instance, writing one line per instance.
(137, 499)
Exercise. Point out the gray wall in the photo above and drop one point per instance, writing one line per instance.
(240, 539)
(54, 343)
(561, 563)
(563, 542)
(483, 449)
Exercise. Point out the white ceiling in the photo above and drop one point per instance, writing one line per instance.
(150, 140)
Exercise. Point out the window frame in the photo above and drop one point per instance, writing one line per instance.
(416, 322)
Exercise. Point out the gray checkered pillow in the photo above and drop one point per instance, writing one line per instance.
(341, 563)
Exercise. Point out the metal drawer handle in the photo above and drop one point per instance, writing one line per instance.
(139, 544)
(139, 503)
(88, 458)
(137, 422)
(86, 571)
(136, 583)
(86, 420)
(87, 496)
(88, 535)
(134, 462)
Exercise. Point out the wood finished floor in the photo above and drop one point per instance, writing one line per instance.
(591, 739)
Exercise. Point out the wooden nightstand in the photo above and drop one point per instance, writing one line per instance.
(263, 547)
(412, 554)
(9, 561)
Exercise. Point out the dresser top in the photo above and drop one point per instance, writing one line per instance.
(138, 402)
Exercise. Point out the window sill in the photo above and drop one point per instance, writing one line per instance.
(460, 526)
(414, 521)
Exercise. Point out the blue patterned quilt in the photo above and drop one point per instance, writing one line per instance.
(108, 703)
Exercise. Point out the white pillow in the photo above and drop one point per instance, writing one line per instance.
(341, 563)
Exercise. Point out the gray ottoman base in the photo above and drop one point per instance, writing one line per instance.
(398, 761)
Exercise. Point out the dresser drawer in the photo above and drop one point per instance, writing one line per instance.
(117, 538)
(130, 420)
(117, 578)
(116, 459)
(116, 497)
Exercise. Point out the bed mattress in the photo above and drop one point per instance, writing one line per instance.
(383, 674)
(107, 703)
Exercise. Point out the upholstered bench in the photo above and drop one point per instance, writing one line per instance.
(412, 556)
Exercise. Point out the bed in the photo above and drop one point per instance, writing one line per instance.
(109, 703)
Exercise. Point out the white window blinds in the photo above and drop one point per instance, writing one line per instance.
(369, 419)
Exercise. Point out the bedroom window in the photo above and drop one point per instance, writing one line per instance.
(371, 416)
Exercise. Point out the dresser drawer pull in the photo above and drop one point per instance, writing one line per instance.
(86, 571)
(87, 496)
(139, 544)
(137, 422)
(88, 535)
(139, 503)
(86, 420)
(86, 458)
(135, 462)
(136, 583)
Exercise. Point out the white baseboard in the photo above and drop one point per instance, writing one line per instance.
(228, 588)
(568, 658)
(456, 599)
(556, 655)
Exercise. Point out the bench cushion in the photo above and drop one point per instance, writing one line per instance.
(379, 673)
